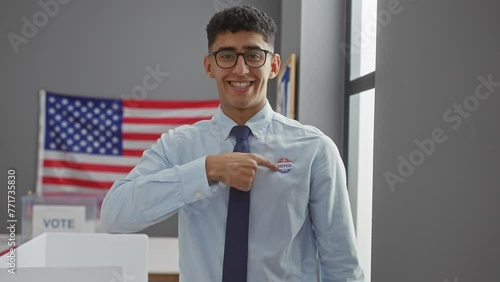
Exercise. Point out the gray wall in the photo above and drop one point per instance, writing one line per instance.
(441, 223)
(100, 48)
(313, 29)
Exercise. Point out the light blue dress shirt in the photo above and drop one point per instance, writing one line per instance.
(300, 226)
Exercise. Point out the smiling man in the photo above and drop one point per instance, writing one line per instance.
(260, 197)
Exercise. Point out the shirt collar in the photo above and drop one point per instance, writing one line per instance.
(257, 124)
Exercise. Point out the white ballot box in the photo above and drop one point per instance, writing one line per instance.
(65, 274)
(61, 213)
(129, 251)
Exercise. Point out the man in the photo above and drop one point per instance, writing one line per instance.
(275, 209)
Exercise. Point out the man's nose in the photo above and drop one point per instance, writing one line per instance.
(241, 67)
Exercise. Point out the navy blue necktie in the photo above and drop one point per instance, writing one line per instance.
(236, 246)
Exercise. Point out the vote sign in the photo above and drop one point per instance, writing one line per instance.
(58, 218)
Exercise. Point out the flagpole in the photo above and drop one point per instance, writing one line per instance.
(41, 141)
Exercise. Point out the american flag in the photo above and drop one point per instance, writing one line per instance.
(85, 143)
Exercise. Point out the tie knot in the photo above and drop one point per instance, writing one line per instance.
(241, 132)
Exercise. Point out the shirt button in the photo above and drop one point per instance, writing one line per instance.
(198, 195)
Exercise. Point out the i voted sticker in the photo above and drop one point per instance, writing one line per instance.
(284, 165)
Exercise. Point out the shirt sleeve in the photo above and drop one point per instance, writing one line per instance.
(332, 218)
(153, 191)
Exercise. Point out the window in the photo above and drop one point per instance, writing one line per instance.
(359, 114)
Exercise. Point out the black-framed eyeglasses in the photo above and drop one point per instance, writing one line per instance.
(254, 58)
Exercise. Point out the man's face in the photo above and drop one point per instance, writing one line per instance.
(242, 89)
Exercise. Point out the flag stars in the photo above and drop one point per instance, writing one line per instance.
(83, 125)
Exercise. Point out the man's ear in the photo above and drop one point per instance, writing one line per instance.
(275, 66)
(208, 66)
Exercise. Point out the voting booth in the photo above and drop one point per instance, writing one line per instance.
(102, 257)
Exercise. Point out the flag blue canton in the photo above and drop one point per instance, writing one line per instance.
(83, 125)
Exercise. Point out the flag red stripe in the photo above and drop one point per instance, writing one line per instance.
(140, 136)
(87, 166)
(173, 121)
(78, 182)
(132, 153)
(155, 104)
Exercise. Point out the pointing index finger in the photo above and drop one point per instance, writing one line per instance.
(261, 161)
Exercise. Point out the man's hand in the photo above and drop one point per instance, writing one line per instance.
(236, 169)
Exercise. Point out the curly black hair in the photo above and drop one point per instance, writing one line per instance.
(241, 18)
